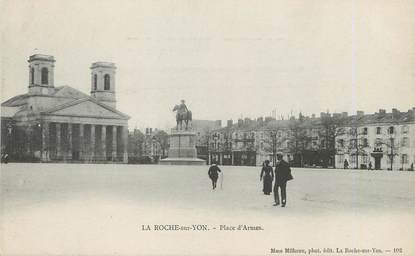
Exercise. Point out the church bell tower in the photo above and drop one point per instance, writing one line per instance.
(41, 69)
(103, 82)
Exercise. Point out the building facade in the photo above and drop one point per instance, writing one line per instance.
(381, 141)
(385, 140)
(51, 123)
(202, 128)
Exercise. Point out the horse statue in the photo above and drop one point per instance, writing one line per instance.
(185, 116)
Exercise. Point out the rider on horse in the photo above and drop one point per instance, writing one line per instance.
(183, 114)
(182, 108)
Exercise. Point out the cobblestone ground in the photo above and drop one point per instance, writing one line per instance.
(102, 209)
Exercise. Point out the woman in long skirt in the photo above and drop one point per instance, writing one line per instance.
(268, 175)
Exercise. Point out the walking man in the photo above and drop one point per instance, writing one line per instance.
(213, 174)
(282, 175)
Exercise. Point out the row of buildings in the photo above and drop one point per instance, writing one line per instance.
(383, 140)
(51, 123)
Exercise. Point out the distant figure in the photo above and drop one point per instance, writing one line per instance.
(282, 175)
(5, 158)
(268, 176)
(213, 174)
(346, 164)
(412, 167)
(370, 165)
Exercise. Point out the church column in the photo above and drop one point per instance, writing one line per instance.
(233, 158)
(81, 142)
(114, 143)
(104, 142)
(69, 141)
(125, 143)
(92, 143)
(221, 158)
(45, 142)
(58, 141)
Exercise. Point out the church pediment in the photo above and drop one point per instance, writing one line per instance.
(86, 108)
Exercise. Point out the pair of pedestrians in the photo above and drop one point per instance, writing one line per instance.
(282, 176)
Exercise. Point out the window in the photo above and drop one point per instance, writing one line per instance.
(341, 143)
(95, 82)
(44, 75)
(365, 131)
(391, 130)
(405, 129)
(340, 159)
(365, 142)
(106, 82)
(405, 142)
(364, 159)
(32, 76)
(378, 130)
(404, 159)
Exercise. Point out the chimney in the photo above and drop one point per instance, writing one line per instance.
(382, 112)
(230, 123)
(240, 122)
(344, 114)
(360, 113)
(218, 123)
(313, 115)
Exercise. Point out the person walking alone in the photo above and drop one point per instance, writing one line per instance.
(213, 174)
(282, 175)
(268, 175)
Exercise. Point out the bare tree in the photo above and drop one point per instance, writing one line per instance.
(298, 139)
(162, 139)
(357, 144)
(331, 126)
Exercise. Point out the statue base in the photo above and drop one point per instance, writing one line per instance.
(182, 149)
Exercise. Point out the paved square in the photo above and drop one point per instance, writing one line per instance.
(102, 209)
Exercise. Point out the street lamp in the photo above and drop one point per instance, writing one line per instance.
(274, 145)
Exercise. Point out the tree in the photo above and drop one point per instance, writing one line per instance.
(163, 139)
(331, 128)
(298, 139)
(391, 146)
(135, 143)
(357, 143)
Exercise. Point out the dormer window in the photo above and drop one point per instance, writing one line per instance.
(44, 75)
(106, 82)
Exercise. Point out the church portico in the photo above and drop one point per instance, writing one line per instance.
(81, 142)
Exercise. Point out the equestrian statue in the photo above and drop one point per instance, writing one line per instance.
(182, 114)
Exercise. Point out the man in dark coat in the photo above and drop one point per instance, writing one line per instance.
(282, 175)
(213, 174)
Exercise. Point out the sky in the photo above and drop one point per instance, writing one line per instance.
(227, 59)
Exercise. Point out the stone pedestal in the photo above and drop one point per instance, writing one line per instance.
(182, 149)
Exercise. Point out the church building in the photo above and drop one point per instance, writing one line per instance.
(62, 124)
